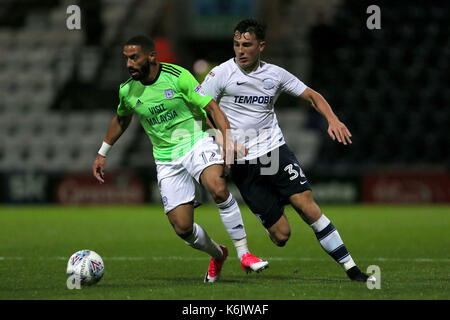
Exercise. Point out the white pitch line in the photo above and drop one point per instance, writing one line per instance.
(161, 258)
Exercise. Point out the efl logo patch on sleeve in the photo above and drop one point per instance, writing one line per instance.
(200, 90)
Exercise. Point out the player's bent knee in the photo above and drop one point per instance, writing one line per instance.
(282, 239)
(280, 243)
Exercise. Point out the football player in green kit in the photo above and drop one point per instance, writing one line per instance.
(172, 109)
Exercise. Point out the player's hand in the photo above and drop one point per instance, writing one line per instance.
(228, 154)
(232, 152)
(338, 130)
(98, 168)
(240, 151)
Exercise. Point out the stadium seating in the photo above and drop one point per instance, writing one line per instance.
(388, 85)
(38, 58)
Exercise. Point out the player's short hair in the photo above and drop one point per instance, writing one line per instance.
(252, 26)
(145, 42)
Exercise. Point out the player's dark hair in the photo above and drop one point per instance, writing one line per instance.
(252, 26)
(145, 42)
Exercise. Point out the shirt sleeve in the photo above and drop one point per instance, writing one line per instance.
(212, 83)
(290, 83)
(122, 108)
(192, 91)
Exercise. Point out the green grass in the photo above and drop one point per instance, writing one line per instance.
(144, 259)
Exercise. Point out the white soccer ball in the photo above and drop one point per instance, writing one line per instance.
(87, 266)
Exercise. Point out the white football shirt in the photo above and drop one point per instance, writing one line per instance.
(248, 100)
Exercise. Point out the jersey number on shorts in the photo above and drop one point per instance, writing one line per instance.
(294, 174)
(211, 158)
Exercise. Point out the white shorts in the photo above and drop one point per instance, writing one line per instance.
(176, 178)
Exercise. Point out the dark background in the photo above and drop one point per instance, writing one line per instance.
(59, 90)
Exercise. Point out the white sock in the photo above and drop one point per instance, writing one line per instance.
(232, 218)
(349, 264)
(331, 242)
(241, 247)
(200, 240)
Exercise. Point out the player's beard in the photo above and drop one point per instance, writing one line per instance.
(143, 72)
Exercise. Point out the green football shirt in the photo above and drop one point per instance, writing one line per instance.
(170, 110)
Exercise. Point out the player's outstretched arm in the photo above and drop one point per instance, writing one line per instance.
(117, 127)
(336, 129)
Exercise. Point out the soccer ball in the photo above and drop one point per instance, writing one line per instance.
(87, 266)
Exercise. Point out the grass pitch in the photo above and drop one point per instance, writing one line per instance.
(144, 259)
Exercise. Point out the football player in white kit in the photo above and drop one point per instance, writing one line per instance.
(246, 89)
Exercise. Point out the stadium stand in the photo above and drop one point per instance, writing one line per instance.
(58, 90)
(39, 57)
(389, 85)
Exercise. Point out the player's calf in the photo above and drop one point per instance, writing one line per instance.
(306, 207)
(213, 181)
(278, 239)
(182, 220)
(280, 231)
(183, 232)
(219, 193)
